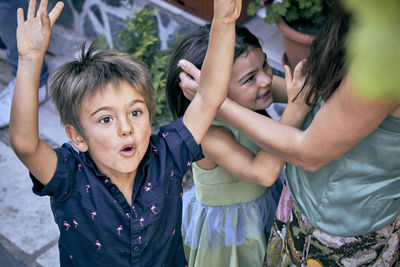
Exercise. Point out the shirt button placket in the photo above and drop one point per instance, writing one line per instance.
(135, 239)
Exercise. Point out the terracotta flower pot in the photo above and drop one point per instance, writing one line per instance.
(297, 45)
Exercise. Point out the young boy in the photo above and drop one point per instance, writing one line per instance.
(118, 201)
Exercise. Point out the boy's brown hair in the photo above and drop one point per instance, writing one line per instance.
(81, 78)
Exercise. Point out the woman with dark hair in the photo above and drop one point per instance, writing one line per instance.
(228, 214)
(341, 205)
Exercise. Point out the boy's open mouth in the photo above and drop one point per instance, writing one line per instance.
(128, 150)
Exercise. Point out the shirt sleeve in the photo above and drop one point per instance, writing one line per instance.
(182, 146)
(62, 181)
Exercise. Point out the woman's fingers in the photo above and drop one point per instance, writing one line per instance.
(188, 85)
(190, 69)
(288, 74)
(298, 70)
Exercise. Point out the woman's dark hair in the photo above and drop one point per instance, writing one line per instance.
(326, 65)
(193, 48)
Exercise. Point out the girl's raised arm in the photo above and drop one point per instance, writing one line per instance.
(217, 68)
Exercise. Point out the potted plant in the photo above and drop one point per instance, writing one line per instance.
(298, 20)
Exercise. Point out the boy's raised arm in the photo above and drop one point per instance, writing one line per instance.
(216, 70)
(33, 38)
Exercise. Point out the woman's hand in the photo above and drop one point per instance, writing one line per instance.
(190, 78)
(294, 84)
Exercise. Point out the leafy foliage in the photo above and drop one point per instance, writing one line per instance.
(139, 37)
(373, 47)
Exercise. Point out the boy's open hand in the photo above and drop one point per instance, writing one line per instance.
(228, 10)
(34, 33)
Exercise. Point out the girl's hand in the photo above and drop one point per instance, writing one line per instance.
(228, 10)
(34, 33)
(294, 83)
(190, 78)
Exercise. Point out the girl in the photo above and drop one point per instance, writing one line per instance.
(226, 221)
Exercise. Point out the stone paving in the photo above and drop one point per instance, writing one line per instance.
(28, 234)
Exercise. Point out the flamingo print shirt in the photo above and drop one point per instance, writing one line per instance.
(97, 225)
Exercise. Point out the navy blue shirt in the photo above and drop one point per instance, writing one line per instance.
(97, 225)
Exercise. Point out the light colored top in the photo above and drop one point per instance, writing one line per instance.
(359, 192)
(217, 187)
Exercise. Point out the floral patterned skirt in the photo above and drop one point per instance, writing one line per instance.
(295, 242)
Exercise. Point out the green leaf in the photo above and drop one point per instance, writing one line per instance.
(253, 8)
(291, 14)
(373, 47)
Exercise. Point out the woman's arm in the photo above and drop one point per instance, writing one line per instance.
(339, 125)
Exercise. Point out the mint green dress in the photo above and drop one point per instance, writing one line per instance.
(226, 221)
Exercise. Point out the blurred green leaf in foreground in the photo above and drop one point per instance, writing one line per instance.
(374, 47)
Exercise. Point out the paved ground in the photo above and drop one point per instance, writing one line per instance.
(28, 234)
